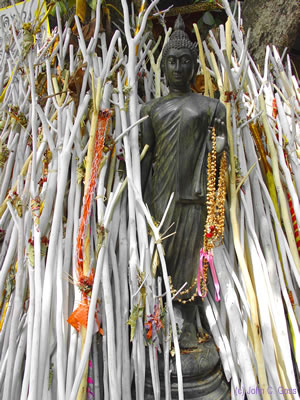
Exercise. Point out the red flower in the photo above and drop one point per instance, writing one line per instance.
(153, 324)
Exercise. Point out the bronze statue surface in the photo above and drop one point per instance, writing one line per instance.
(178, 133)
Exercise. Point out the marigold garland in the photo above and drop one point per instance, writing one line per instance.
(214, 226)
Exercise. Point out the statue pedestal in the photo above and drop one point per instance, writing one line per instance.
(203, 378)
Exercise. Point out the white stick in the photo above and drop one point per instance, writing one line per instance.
(17, 311)
(30, 319)
(231, 303)
(34, 366)
(60, 339)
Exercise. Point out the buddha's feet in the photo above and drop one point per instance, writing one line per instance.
(188, 338)
(203, 378)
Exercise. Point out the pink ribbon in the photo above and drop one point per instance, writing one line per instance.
(209, 257)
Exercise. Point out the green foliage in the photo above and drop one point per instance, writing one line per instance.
(136, 313)
(62, 8)
(30, 254)
(138, 310)
(51, 373)
(208, 21)
(208, 18)
(92, 4)
(10, 283)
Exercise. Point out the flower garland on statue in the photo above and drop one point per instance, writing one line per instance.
(214, 227)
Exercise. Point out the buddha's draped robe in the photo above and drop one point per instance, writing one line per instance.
(180, 147)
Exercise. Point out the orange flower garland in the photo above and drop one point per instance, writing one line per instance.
(214, 227)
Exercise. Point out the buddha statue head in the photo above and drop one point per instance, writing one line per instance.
(179, 59)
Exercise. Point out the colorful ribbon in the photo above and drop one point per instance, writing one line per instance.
(210, 259)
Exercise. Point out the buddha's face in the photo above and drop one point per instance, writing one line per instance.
(179, 69)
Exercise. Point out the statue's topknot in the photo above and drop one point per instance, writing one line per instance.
(180, 40)
(179, 24)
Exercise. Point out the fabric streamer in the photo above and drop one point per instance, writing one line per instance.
(208, 256)
(79, 316)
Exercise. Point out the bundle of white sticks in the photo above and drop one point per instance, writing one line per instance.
(74, 227)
